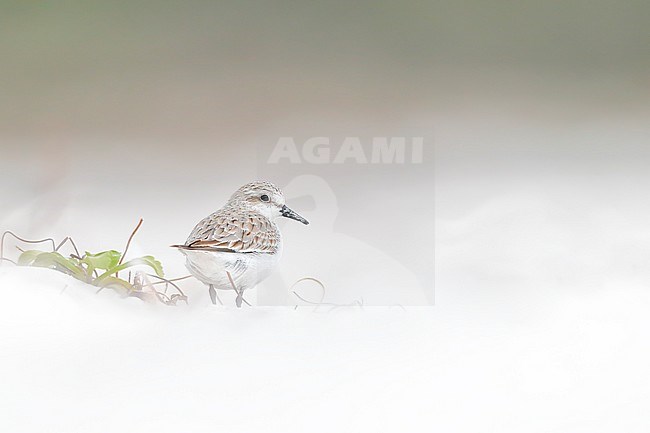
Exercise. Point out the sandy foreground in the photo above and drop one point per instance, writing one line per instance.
(74, 361)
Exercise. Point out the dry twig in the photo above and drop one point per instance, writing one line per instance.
(128, 243)
(320, 302)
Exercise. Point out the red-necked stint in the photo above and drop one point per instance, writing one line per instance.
(239, 241)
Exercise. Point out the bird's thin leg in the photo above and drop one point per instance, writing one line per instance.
(240, 293)
(218, 298)
(213, 295)
(240, 299)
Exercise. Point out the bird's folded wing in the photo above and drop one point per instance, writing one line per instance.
(200, 247)
(234, 233)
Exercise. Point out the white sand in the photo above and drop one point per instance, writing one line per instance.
(73, 361)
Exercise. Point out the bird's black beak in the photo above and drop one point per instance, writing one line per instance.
(288, 213)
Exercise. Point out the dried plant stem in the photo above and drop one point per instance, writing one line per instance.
(128, 244)
(170, 282)
(320, 303)
(330, 304)
(27, 241)
(147, 283)
(68, 239)
(55, 247)
(322, 286)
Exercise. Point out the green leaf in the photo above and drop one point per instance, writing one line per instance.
(104, 260)
(145, 261)
(58, 262)
(111, 281)
(28, 257)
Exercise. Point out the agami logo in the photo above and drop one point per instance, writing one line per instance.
(320, 150)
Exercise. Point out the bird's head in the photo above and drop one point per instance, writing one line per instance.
(264, 198)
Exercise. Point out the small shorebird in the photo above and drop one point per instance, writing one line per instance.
(239, 245)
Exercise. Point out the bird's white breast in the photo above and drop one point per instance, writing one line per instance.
(246, 269)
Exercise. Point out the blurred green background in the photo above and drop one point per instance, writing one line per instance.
(92, 67)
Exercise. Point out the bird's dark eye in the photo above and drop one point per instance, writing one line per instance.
(265, 198)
